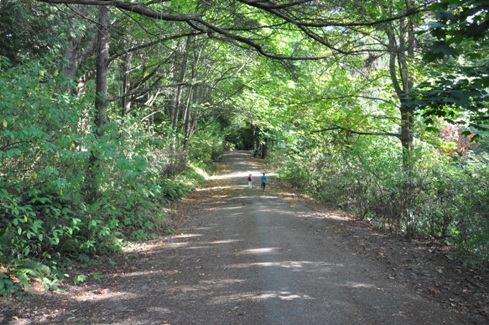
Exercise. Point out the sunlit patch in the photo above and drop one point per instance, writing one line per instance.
(203, 228)
(267, 295)
(177, 245)
(283, 295)
(299, 265)
(334, 216)
(264, 196)
(187, 235)
(328, 215)
(113, 295)
(158, 310)
(260, 250)
(215, 188)
(144, 273)
(357, 285)
(227, 241)
(222, 282)
(226, 187)
(198, 247)
(241, 175)
(230, 208)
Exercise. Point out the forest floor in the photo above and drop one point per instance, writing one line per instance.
(241, 256)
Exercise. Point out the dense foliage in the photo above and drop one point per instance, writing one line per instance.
(108, 113)
(45, 157)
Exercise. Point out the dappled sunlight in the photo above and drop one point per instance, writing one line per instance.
(223, 187)
(282, 295)
(266, 196)
(177, 245)
(200, 245)
(242, 174)
(231, 175)
(227, 241)
(203, 228)
(145, 273)
(357, 285)
(241, 256)
(261, 296)
(230, 208)
(108, 295)
(260, 250)
(291, 265)
(334, 216)
(161, 310)
(322, 215)
(212, 244)
(222, 282)
(183, 235)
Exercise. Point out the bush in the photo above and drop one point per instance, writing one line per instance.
(442, 197)
(47, 218)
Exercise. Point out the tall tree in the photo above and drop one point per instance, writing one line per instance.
(103, 39)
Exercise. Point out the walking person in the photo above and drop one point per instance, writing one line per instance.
(250, 181)
(263, 182)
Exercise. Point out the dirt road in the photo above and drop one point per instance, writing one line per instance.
(247, 257)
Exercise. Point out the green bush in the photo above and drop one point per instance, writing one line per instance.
(48, 219)
(442, 197)
(208, 144)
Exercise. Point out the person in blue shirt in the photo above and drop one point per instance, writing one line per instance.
(263, 182)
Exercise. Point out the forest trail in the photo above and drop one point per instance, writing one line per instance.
(243, 256)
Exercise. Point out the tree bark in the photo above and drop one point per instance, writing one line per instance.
(399, 48)
(101, 119)
(126, 85)
(102, 70)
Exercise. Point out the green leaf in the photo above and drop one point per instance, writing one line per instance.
(79, 279)
(97, 276)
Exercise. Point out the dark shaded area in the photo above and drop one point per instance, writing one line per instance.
(27, 30)
(242, 138)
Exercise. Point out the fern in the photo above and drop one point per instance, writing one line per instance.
(7, 287)
(26, 270)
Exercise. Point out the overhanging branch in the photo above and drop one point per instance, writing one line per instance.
(332, 128)
(281, 11)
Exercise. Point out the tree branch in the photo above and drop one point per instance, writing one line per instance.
(129, 6)
(274, 9)
(397, 135)
(146, 45)
(197, 22)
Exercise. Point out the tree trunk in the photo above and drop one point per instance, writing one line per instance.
(102, 70)
(186, 119)
(126, 85)
(399, 48)
(180, 70)
(101, 102)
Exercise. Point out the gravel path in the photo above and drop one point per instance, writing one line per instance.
(250, 257)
